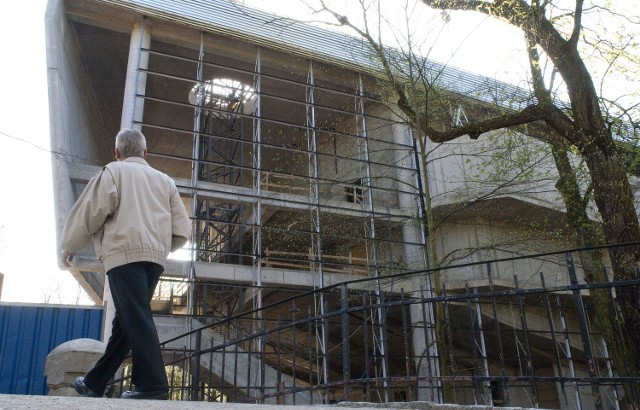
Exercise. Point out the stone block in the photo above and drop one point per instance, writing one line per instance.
(68, 361)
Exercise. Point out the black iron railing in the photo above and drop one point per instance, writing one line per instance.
(526, 331)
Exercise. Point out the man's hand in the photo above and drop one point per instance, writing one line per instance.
(66, 258)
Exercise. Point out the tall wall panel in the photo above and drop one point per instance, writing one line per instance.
(29, 332)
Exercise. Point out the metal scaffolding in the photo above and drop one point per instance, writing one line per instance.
(306, 276)
(281, 177)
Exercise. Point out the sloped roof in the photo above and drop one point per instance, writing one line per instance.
(281, 33)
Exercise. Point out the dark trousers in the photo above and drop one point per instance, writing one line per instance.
(132, 287)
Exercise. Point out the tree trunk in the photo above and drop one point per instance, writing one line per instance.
(607, 319)
(613, 197)
(611, 189)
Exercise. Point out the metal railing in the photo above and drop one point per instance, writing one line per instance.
(524, 331)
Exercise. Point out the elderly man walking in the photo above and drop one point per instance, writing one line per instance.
(136, 217)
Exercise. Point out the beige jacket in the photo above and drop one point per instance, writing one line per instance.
(132, 211)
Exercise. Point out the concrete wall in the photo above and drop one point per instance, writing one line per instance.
(497, 164)
(495, 197)
(478, 238)
(76, 128)
(77, 131)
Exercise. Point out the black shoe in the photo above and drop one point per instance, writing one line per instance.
(146, 395)
(82, 388)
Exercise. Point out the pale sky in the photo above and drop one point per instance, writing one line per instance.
(27, 233)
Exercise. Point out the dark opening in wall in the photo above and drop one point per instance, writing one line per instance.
(497, 392)
(354, 191)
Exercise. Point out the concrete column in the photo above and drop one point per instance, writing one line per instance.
(136, 80)
(415, 258)
(132, 110)
(407, 200)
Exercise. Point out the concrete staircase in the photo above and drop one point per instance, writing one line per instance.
(222, 367)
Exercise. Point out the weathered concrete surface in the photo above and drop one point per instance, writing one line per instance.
(68, 361)
(10, 402)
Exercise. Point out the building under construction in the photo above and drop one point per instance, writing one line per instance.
(300, 180)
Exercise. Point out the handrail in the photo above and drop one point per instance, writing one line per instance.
(270, 355)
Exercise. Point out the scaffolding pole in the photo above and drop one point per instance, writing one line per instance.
(483, 350)
(314, 208)
(195, 171)
(361, 124)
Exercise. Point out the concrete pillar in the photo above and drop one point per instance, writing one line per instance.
(136, 80)
(132, 111)
(68, 361)
(415, 258)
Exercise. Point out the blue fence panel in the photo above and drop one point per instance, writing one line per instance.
(28, 333)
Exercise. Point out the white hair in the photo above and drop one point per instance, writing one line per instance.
(131, 143)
